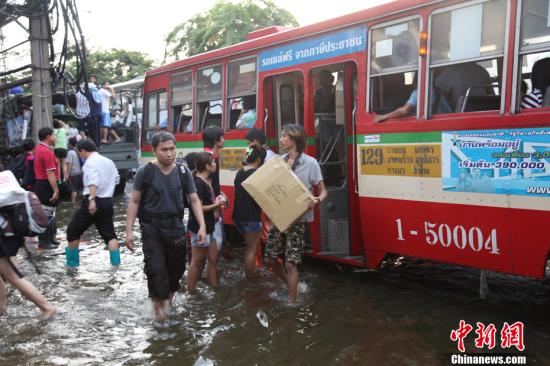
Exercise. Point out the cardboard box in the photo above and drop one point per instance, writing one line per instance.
(279, 192)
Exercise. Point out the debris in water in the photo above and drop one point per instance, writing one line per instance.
(203, 362)
(262, 317)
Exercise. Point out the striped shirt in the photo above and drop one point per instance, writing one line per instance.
(532, 100)
(82, 105)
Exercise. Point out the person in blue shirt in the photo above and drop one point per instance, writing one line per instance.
(247, 119)
(409, 108)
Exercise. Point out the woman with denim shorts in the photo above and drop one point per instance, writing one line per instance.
(246, 212)
(205, 166)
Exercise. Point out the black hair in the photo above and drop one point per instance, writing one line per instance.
(86, 145)
(249, 102)
(253, 153)
(190, 160)
(93, 76)
(56, 124)
(29, 144)
(73, 141)
(297, 133)
(161, 136)
(211, 135)
(540, 74)
(202, 160)
(256, 134)
(44, 132)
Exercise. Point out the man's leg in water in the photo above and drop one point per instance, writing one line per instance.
(294, 251)
(155, 269)
(2, 296)
(26, 288)
(292, 281)
(175, 250)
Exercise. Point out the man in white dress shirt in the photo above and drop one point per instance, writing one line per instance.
(100, 177)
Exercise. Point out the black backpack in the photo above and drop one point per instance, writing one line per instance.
(27, 218)
(148, 174)
(28, 176)
(17, 167)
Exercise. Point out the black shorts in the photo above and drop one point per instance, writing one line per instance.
(102, 219)
(164, 258)
(83, 125)
(75, 183)
(9, 245)
(44, 192)
(60, 153)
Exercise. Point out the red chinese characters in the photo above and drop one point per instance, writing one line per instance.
(510, 335)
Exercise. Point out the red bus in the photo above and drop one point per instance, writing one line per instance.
(463, 179)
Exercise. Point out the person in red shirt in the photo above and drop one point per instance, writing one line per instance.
(46, 174)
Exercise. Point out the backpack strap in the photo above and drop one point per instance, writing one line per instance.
(183, 179)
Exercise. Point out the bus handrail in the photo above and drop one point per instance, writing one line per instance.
(354, 152)
(266, 116)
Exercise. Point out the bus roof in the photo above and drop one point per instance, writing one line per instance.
(286, 35)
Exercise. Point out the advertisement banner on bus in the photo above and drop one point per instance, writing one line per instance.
(512, 161)
(319, 48)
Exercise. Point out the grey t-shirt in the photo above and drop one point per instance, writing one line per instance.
(72, 158)
(309, 172)
(164, 195)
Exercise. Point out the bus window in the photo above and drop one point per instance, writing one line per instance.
(466, 55)
(209, 97)
(181, 88)
(288, 105)
(393, 64)
(534, 49)
(241, 94)
(156, 116)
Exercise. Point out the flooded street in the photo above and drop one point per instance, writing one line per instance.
(399, 315)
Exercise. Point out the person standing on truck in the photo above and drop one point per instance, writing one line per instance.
(107, 93)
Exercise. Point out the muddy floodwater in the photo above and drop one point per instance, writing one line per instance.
(401, 314)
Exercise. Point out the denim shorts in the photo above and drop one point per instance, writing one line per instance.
(195, 241)
(247, 227)
(106, 119)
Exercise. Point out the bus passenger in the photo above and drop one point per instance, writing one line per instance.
(205, 165)
(540, 80)
(246, 212)
(289, 246)
(324, 101)
(409, 108)
(247, 118)
(455, 80)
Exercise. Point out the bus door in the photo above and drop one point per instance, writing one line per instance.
(333, 103)
(286, 103)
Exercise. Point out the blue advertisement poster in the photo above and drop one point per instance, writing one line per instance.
(514, 161)
(331, 45)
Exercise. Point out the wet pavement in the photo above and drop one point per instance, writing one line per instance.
(401, 314)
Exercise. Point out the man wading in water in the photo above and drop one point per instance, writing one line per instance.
(161, 190)
(289, 245)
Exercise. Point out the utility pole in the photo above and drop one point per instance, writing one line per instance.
(41, 76)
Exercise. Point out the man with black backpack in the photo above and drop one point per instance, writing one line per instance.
(161, 190)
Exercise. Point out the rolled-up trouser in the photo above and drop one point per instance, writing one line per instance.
(102, 219)
(164, 258)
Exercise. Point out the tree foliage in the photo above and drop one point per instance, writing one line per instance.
(223, 25)
(116, 65)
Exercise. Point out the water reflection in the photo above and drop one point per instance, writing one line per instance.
(402, 314)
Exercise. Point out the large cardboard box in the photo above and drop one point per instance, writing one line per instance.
(279, 192)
